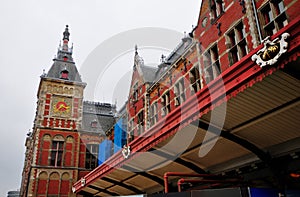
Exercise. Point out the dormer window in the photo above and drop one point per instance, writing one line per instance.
(216, 9)
(135, 91)
(273, 17)
(94, 124)
(65, 56)
(64, 74)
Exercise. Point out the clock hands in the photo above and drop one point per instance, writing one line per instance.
(63, 107)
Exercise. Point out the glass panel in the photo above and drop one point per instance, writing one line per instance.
(61, 145)
(54, 145)
(281, 7)
(53, 157)
(243, 49)
(240, 32)
(232, 38)
(59, 158)
(267, 13)
(233, 55)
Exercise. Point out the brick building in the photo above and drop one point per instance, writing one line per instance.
(64, 143)
(224, 104)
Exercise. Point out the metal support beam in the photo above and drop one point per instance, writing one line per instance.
(180, 161)
(103, 190)
(145, 174)
(121, 184)
(231, 137)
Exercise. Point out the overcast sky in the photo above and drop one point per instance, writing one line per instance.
(29, 37)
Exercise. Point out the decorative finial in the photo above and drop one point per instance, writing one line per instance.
(66, 33)
(162, 58)
(44, 73)
(136, 49)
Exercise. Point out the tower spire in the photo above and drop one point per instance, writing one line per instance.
(65, 39)
(138, 60)
(66, 33)
(64, 66)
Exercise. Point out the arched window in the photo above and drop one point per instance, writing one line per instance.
(91, 156)
(44, 150)
(65, 184)
(68, 151)
(57, 150)
(42, 183)
(64, 74)
(53, 186)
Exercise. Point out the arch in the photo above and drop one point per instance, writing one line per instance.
(54, 182)
(43, 175)
(46, 137)
(65, 185)
(58, 138)
(65, 176)
(60, 89)
(42, 182)
(70, 139)
(66, 90)
(44, 149)
(49, 88)
(54, 176)
(54, 89)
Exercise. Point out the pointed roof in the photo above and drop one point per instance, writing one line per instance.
(64, 61)
(152, 74)
(148, 73)
(179, 50)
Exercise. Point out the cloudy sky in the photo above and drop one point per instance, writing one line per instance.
(29, 37)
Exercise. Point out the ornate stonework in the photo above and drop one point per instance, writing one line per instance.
(271, 51)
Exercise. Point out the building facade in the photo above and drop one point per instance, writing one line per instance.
(224, 103)
(64, 143)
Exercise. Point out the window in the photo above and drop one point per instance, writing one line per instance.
(131, 130)
(94, 124)
(165, 101)
(273, 17)
(153, 113)
(57, 153)
(211, 64)
(135, 92)
(216, 9)
(91, 156)
(140, 122)
(64, 74)
(236, 42)
(179, 91)
(195, 79)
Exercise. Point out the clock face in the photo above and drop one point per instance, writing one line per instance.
(61, 106)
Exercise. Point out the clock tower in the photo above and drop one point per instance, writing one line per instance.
(52, 161)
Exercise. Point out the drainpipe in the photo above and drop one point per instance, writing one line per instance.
(167, 174)
(211, 182)
(256, 20)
